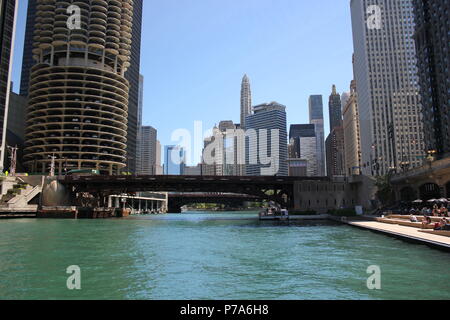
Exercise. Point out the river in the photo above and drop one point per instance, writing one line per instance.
(212, 256)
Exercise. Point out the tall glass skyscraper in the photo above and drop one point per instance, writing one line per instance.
(8, 12)
(387, 85)
(27, 59)
(316, 118)
(133, 76)
(147, 151)
(303, 143)
(433, 53)
(268, 116)
(174, 160)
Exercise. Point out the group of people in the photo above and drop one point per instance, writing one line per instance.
(436, 211)
(442, 225)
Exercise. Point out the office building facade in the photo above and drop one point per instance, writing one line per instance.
(269, 141)
(387, 82)
(352, 140)
(8, 14)
(334, 146)
(174, 160)
(27, 58)
(136, 86)
(316, 117)
(335, 109)
(147, 151)
(303, 146)
(223, 153)
(432, 38)
(246, 100)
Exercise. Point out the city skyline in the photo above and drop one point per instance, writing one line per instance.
(272, 76)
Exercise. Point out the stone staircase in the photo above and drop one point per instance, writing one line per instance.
(16, 195)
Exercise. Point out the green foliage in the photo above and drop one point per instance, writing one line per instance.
(385, 193)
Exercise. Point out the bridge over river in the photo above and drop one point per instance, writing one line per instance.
(247, 188)
(318, 194)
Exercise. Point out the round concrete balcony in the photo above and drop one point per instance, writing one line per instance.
(78, 98)
(80, 116)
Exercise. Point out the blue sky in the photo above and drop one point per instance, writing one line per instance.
(195, 52)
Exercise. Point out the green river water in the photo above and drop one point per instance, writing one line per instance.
(212, 256)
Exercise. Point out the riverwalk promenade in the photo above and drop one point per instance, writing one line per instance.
(405, 233)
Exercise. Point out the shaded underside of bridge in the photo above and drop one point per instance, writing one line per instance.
(281, 188)
(177, 200)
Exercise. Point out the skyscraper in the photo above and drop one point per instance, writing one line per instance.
(316, 118)
(139, 122)
(78, 94)
(8, 13)
(266, 151)
(335, 109)
(147, 151)
(387, 83)
(134, 78)
(215, 149)
(27, 59)
(246, 100)
(433, 54)
(159, 169)
(174, 160)
(303, 145)
(132, 73)
(334, 146)
(352, 145)
(227, 154)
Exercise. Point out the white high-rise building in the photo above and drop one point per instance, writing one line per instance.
(159, 168)
(387, 85)
(246, 100)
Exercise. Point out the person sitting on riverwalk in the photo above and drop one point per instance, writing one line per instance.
(435, 212)
(413, 218)
(441, 225)
(426, 222)
(446, 227)
(443, 212)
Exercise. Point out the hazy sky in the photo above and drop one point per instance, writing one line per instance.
(195, 52)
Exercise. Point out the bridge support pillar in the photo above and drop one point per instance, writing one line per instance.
(174, 207)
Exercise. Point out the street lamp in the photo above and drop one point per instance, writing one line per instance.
(431, 153)
(404, 165)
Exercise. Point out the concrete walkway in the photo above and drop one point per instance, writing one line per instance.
(407, 233)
